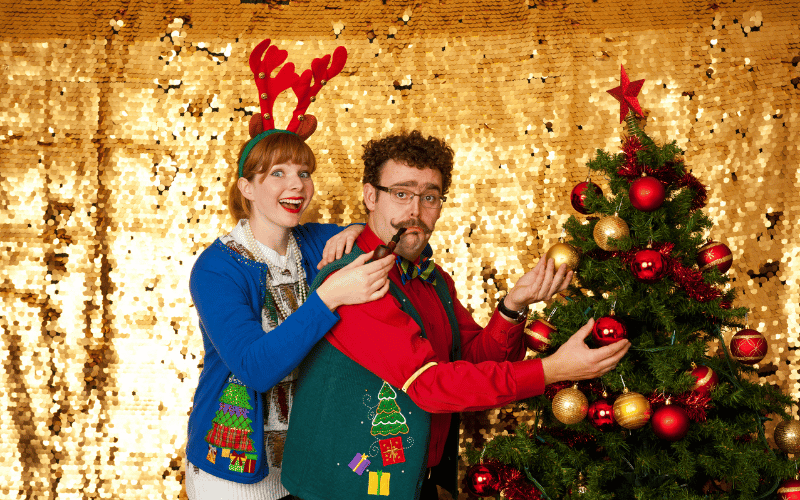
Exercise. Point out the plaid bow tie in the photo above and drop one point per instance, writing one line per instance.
(424, 270)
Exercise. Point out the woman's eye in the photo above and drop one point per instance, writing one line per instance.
(277, 173)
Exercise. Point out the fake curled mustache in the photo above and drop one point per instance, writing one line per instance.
(412, 223)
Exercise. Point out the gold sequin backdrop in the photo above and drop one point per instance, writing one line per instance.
(120, 122)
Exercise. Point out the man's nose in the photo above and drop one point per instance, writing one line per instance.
(415, 205)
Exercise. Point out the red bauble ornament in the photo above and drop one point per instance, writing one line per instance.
(647, 194)
(670, 422)
(706, 379)
(601, 415)
(483, 480)
(538, 335)
(578, 196)
(608, 330)
(647, 265)
(748, 346)
(789, 490)
(714, 254)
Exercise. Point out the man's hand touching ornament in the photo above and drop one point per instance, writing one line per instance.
(540, 283)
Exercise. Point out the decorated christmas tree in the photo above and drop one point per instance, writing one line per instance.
(231, 426)
(682, 415)
(388, 420)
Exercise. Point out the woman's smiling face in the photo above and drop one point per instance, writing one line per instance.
(281, 195)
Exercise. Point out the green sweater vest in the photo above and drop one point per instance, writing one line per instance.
(343, 416)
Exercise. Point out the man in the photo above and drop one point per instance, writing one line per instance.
(376, 396)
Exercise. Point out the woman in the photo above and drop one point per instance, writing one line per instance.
(258, 321)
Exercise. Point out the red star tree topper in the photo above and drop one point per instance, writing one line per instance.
(626, 95)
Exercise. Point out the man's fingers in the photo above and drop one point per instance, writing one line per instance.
(584, 331)
(560, 278)
(551, 268)
(560, 272)
(545, 289)
(607, 359)
(567, 281)
(612, 350)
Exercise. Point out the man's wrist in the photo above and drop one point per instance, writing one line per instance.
(517, 315)
(511, 305)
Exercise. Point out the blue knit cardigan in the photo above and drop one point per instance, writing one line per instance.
(228, 290)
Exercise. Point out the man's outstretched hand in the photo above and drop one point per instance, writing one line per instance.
(575, 360)
(540, 283)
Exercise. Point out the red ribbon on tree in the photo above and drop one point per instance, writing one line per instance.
(522, 490)
(568, 436)
(695, 403)
(512, 482)
(691, 280)
(585, 386)
(632, 170)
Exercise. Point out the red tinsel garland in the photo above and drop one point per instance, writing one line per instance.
(513, 483)
(631, 168)
(666, 173)
(585, 386)
(551, 389)
(522, 490)
(695, 403)
(689, 279)
(568, 436)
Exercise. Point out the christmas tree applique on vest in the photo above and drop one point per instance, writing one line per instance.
(388, 421)
(231, 428)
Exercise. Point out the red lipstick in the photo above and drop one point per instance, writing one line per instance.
(292, 207)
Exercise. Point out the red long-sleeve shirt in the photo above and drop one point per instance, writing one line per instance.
(386, 341)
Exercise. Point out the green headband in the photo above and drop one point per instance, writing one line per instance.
(254, 141)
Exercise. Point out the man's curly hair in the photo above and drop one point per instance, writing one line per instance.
(412, 149)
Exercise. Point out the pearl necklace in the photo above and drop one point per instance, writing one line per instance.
(301, 287)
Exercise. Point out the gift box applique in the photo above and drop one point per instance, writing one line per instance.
(359, 463)
(250, 462)
(378, 483)
(238, 461)
(392, 451)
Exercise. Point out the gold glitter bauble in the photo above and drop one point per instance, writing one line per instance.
(610, 227)
(570, 405)
(787, 436)
(632, 410)
(563, 253)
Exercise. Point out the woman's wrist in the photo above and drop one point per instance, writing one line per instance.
(324, 292)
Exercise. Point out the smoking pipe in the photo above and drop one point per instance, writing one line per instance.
(383, 250)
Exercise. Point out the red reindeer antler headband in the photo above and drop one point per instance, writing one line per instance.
(270, 87)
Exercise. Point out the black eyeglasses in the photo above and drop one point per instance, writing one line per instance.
(404, 196)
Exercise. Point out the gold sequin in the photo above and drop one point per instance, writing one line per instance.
(119, 136)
